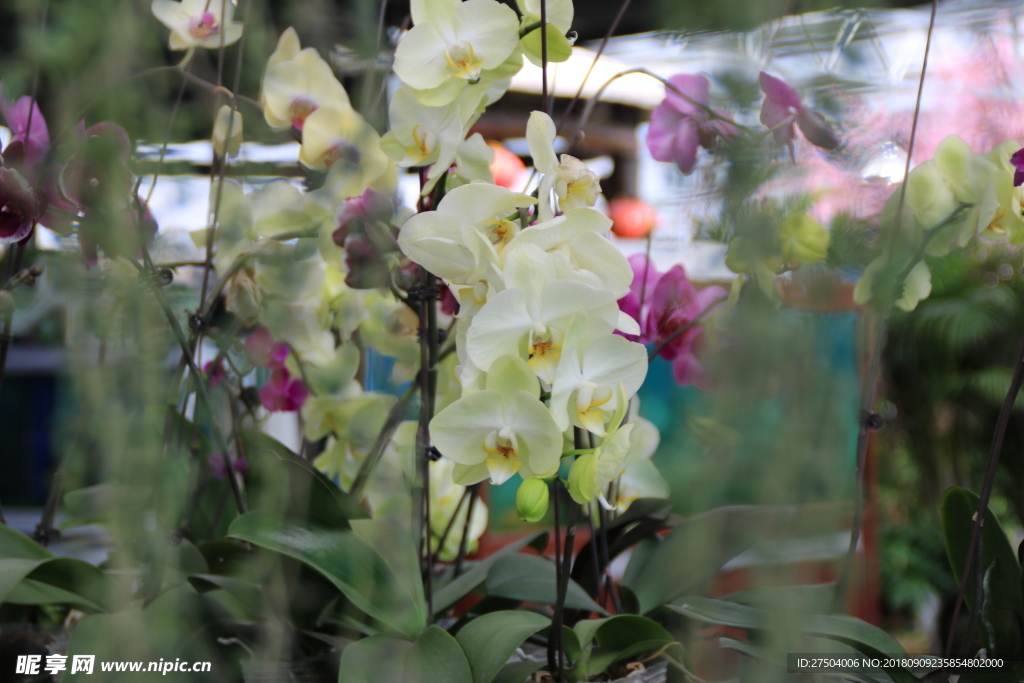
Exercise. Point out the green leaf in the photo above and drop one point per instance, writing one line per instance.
(435, 657)
(16, 544)
(517, 672)
(467, 582)
(778, 659)
(858, 634)
(490, 640)
(396, 546)
(958, 509)
(816, 598)
(607, 641)
(346, 560)
(696, 549)
(33, 592)
(530, 578)
(281, 480)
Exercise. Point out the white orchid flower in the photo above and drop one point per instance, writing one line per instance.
(297, 83)
(472, 162)
(453, 43)
(198, 23)
(532, 316)
(591, 371)
(460, 240)
(640, 478)
(429, 136)
(339, 135)
(500, 430)
(576, 241)
(575, 185)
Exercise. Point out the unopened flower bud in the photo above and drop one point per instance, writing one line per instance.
(227, 132)
(532, 500)
(36, 270)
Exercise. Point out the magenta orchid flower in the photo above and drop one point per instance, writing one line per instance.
(667, 303)
(683, 122)
(782, 111)
(645, 277)
(219, 468)
(30, 137)
(1017, 160)
(264, 351)
(282, 392)
(21, 206)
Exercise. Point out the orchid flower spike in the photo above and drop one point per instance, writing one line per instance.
(782, 110)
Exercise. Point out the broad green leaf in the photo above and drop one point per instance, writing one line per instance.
(778, 660)
(517, 672)
(532, 579)
(958, 509)
(396, 546)
(435, 657)
(279, 479)
(32, 592)
(88, 505)
(606, 641)
(346, 560)
(90, 584)
(16, 544)
(696, 549)
(490, 640)
(464, 584)
(816, 598)
(858, 634)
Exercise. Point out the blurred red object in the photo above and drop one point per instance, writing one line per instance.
(631, 217)
(507, 168)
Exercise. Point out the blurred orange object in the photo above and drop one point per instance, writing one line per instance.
(632, 218)
(507, 168)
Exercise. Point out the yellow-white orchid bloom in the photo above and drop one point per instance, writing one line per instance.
(580, 251)
(593, 375)
(297, 83)
(198, 23)
(575, 185)
(453, 43)
(339, 137)
(460, 241)
(500, 431)
(532, 315)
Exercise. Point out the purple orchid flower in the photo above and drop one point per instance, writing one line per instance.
(219, 468)
(30, 139)
(282, 392)
(1017, 160)
(670, 303)
(682, 123)
(264, 351)
(782, 111)
(21, 206)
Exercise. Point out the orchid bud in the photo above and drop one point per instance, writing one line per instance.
(227, 132)
(802, 239)
(532, 500)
